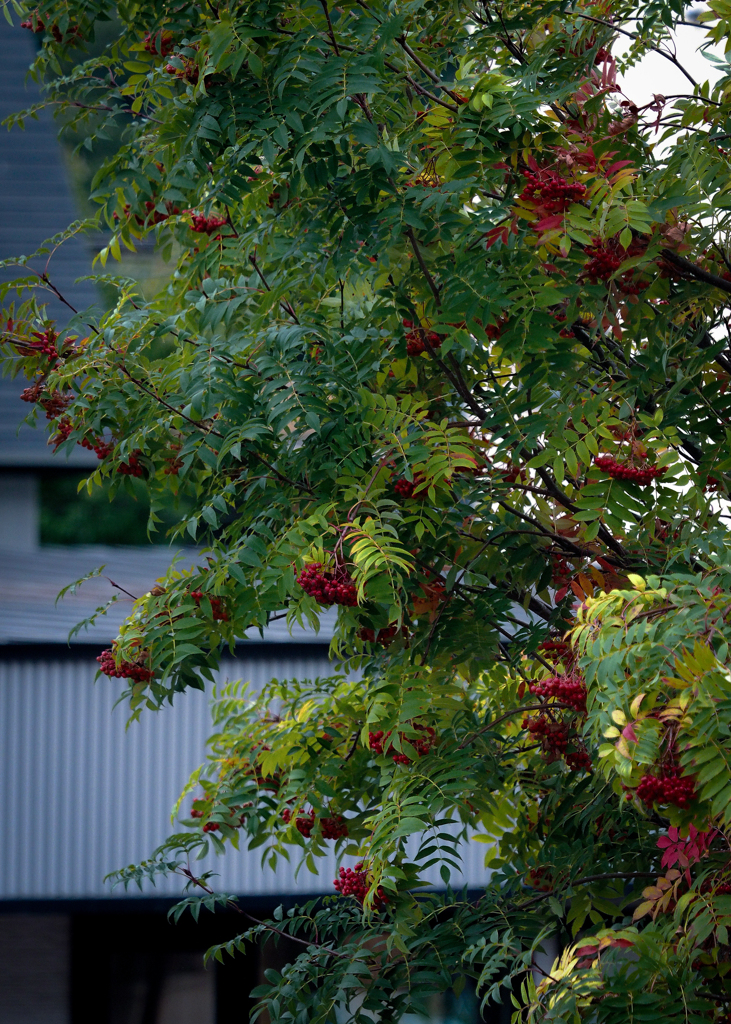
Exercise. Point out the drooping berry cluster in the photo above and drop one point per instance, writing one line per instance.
(419, 340)
(304, 822)
(554, 737)
(554, 193)
(555, 650)
(188, 73)
(54, 405)
(409, 488)
(422, 744)
(607, 256)
(102, 448)
(328, 587)
(569, 689)
(206, 225)
(643, 476)
(125, 670)
(668, 788)
(383, 636)
(133, 466)
(159, 44)
(354, 882)
(604, 259)
(217, 609)
(64, 427)
(334, 827)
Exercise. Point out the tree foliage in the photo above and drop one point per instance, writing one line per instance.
(444, 344)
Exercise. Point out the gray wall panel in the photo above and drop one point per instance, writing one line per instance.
(82, 795)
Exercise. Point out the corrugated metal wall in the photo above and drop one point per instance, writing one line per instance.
(81, 795)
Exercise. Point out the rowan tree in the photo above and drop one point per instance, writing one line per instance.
(444, 346)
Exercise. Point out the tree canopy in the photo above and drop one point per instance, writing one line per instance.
(444, 346)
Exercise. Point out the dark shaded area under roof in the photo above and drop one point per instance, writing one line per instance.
(35, 203)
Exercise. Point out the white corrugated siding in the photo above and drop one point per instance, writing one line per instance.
(81, 795)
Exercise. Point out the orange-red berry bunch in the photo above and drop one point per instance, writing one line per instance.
(668, 788)
(334, 827)
(355, 883)
(53, 404)
(102, 448)
(409, 488)
(421, 744)
(569, 689)
(331, 828)
(554, 193)
(328, 587)
(159, 44)
(554, 740)
(188, 73)
(125, 670)
(217, 609)
(132, 467)
(419, 340)
(623, 471)
(206, 225)
(304, 822)
(383, 636)
(555, 650)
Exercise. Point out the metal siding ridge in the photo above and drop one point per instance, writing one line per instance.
(104, 793)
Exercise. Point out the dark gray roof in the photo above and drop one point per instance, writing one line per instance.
(31, 580)
(35, 203)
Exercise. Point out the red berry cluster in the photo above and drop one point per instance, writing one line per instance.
(35, 23)
(53, 404)
(63, 432)
(102, 448)
(132, 467)
(409, 488)
(623, 471)
(555, 650)
(188, 73)
(554, 739)
(569, 689)
(554, 193)
(333, 828)
(355, 883)
(206, 225)
(422, 745)
(578, 759)
(211, 826)
(554, 736)
(328, 587)
(217, 609)
(419, 340)
(668, 788)
(383, 636)
(126, 669)
(157, 216)
(160, 44)
(604, 259)
(304, 822)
